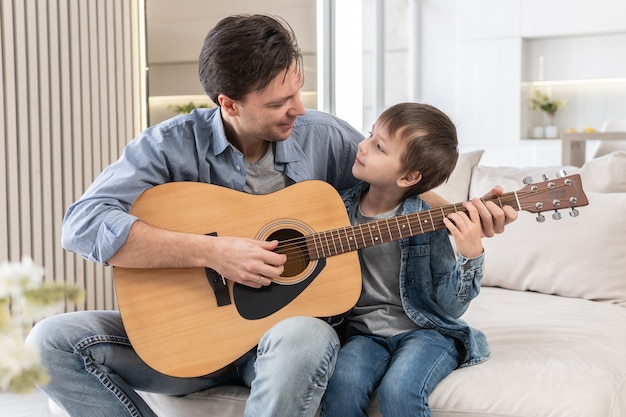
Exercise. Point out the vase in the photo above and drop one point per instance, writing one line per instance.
(537, 132)
(551, 131)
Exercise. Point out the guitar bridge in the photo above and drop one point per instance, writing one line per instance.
(218, 283)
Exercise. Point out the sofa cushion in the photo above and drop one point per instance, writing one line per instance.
(456, 188)
(550, 356)
(511, 178)
(579, 257)
(606, 174)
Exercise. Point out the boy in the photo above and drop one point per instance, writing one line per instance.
(404, 335)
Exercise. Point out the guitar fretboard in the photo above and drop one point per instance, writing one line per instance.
(337, 241)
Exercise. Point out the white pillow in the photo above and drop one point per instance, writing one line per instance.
(456, 189)
(606, 174)
(580, 257)
(484, 178)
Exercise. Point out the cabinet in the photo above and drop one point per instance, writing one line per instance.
(587, 72)
(488, 87)
(507, 49)
(554, 18)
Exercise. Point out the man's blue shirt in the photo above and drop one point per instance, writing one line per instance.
(194, 147)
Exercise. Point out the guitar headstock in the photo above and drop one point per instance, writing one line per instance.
(556, 194)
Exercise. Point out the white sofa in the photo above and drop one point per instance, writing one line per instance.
(552, 304)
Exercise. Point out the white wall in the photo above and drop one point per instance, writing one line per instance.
(437, 54)
(475, 54)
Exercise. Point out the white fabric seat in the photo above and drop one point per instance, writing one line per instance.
(551, 355)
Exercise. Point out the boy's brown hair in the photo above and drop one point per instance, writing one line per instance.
(430, 138)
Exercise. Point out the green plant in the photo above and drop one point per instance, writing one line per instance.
(545, 103)
(187, 108)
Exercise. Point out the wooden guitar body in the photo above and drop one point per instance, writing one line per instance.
(171, 315)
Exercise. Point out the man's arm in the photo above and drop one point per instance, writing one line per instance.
(247, 261)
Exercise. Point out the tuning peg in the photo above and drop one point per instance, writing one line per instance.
(557, 215)
(545, 177)
(574, 212)
(528, 180)
(540, 218)
(561, 173)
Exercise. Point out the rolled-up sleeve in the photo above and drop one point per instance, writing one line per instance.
(183, 148)
(97, 225)
(96, 237)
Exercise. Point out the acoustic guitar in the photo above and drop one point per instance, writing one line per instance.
(192, 322)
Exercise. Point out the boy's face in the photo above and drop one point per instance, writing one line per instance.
(379, 158)
(270, 114)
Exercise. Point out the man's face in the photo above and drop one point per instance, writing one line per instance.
(270, 114)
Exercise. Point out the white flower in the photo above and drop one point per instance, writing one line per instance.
(15, 277)
(15, 359)
(24, 299)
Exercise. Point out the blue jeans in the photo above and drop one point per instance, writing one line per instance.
(404, 368)
(94, 370)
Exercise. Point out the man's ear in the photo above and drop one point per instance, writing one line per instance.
(228, 105)
(409, 179)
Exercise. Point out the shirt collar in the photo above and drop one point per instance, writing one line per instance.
(220, 143)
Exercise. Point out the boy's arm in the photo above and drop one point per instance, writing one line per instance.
(455, 293)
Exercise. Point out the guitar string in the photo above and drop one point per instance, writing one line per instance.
(378, 233)
(329, 243)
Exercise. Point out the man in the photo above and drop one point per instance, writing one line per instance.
(258, 140)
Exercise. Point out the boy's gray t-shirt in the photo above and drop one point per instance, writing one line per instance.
(379, 310)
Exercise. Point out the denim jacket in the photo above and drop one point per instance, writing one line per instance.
(436, 286)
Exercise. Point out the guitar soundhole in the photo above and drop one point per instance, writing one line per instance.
(292, 244)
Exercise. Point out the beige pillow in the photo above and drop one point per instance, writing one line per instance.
(606, 174)
(582, 257)
(484, 178)
(456, 189)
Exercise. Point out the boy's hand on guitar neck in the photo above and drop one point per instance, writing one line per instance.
(493, 217)
(466, 230)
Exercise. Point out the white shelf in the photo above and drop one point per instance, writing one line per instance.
(589, 103)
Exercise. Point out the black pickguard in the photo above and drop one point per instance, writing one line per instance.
(253, 304)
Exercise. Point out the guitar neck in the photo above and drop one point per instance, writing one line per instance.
(346, 239)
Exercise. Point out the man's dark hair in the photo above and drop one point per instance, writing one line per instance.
(431, 142)
(244, 53)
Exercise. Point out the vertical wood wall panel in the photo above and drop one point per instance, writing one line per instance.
(10, 130)
(73, 94)
(45, 127)
(4, 215)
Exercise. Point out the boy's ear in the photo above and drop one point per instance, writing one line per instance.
(409, 179)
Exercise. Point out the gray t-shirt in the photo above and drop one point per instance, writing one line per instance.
(379, 310)
(262, 178)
